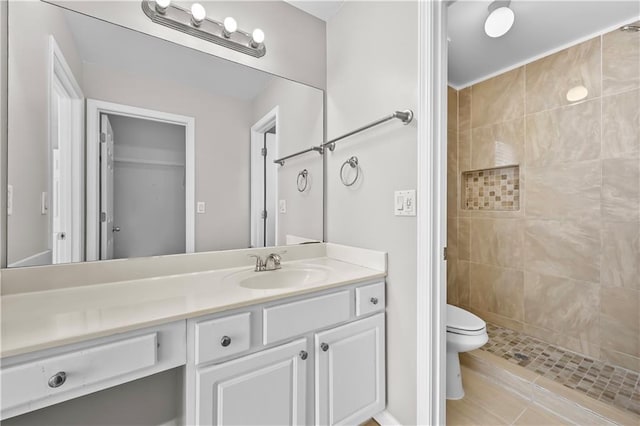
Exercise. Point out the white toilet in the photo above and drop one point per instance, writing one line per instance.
(465, 332)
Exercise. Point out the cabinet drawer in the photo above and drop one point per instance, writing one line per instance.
(370, 298)
(292, 319)
(47, 377)
(222, 337)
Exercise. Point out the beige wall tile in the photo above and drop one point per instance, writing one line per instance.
(620, 255)
(452, 109)
(452, 272)
(498, 99)
(621, 125)
(500, 320)
(452, 173)
(464, 239)
(620, 61)
(563, 305)
(565, 134)
(462, 283)
(618, 358)
(549, 78)
(497, 290)
(561, 339)
(464, 151)
(621, 189)
(496, 145)
(563, 248)
(568, 191)
(620, 320)
(452, 237)
(498, 242)
(464, 109)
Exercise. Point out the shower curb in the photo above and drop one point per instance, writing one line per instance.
(572, 406)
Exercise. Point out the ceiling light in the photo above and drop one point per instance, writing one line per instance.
(499, 22)
(162, 5)
(257, 37)
(230, 26)
(577, 93)
(197, 14)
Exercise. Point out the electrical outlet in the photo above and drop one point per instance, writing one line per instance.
(201, 207)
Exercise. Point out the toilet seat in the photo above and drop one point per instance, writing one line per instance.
(463, 322)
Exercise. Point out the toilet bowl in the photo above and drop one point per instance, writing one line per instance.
(465, 332)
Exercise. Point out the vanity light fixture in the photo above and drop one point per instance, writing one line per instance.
(500, 19)
(194, 21)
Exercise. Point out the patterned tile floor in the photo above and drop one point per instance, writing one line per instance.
(605, 382)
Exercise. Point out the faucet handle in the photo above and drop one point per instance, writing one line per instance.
(260, 264)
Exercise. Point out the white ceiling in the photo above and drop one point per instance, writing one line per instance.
(541, 27)
(320, 9)
(129, 51)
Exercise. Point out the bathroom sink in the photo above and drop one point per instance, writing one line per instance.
(287, 277)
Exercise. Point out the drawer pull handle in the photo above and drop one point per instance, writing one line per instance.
(226, 341)
(304, 355)
(374, 300)
(324, 347)
(57, 379)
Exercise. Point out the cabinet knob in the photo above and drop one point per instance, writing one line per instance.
(374, 300)
(57, 379)
(324, 347)
(225, 341)
(304, 355)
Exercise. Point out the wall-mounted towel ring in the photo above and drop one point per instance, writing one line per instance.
(353, 162)
(302, 180)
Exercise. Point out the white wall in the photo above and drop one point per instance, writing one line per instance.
(372, 70)
(3, 131)
(28, 229)
(298, 130)
(222, 141)
(295, 40)
(149, 199)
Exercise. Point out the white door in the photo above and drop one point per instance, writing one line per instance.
(106, 188)
(265, 388)
(350, 372)
(270, 191)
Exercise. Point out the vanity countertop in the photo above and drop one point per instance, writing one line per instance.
(44, 319)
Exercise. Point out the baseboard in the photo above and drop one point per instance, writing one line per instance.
(385, 418)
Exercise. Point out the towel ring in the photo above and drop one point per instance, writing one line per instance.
(302, 180)
(353, 162)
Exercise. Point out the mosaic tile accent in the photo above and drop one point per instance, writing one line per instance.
(602, 381)
(492, 189)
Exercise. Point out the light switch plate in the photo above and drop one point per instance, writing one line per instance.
(201, 207)
(405, 202)
(282, 206)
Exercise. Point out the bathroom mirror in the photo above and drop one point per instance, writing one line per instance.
(125, 145)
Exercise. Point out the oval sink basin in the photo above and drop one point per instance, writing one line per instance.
(281, 278)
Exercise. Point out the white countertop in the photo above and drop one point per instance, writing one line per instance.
(44, 319)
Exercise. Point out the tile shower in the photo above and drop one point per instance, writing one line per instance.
(561, 262)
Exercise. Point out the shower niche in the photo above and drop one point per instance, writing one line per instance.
(495, 189)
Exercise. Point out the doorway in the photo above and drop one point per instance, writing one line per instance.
(140, 180)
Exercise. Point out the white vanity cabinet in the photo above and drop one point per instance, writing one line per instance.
(314, 359)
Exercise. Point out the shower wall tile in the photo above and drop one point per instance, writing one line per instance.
(498, 99)
(548, 79)
(620, 320)
(568, 306)
(568, 191)
(497, 290)
(620, 255)
(452, 109)
(464, 109)
(621, 61)
(497, 145)
(621, 189)
(566, 248)
(452, 277)
(498, 242)
(464, 151)
(464, 238)
(452, 175)
(452, 238)
(621, 125)
(462, 283)
(565, 134)
(626, 361)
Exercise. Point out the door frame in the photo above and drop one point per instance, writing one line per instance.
(94, 109)
(431, 283)
(59, 72)
(272, 118)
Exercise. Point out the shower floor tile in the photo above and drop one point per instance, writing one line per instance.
(605, 382)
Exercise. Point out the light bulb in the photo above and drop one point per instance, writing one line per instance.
(162, 5)
(499, 22)
(197, 14)
(230, 26)
(257, 37)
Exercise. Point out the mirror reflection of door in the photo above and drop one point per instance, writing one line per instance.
(142, 187)
(264, 182)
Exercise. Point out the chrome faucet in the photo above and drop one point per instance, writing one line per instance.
(270, 263)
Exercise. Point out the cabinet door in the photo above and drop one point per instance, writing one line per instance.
(265, 388)
(350, 372)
